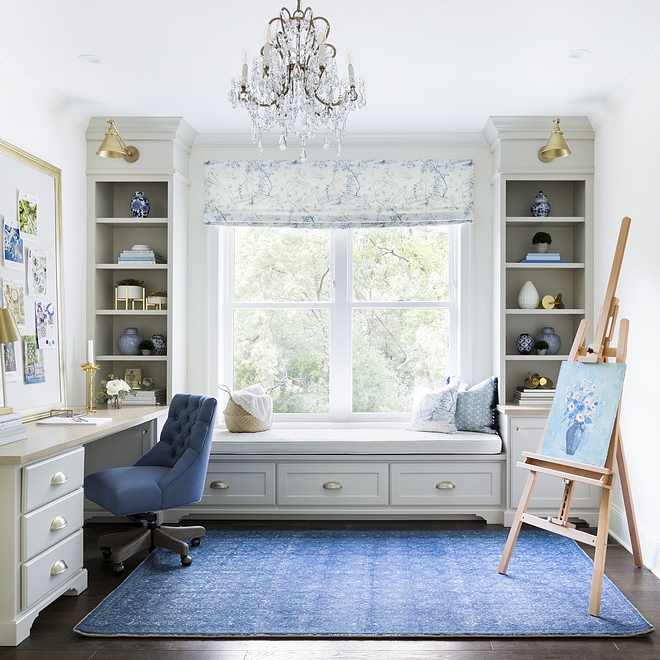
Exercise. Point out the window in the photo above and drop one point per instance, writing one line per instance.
(342, 323)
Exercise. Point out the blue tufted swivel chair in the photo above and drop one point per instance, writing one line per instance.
(171, 474)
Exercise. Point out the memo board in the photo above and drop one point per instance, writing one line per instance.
(30, 213)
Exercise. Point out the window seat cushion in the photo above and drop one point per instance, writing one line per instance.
(354, 441)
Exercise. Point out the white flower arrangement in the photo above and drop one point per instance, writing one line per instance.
(112, 391)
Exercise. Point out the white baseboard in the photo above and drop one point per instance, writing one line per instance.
(650, 543)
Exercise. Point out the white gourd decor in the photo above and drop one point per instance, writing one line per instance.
(528, 298)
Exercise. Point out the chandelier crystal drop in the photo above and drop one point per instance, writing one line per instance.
(294, 83)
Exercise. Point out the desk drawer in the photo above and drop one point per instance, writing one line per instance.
(332, 484)
(49, 570)
(48, 480)
(51, 523)
(453, 484)
(239, 483)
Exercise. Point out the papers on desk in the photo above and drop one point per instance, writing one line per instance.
(74, 421)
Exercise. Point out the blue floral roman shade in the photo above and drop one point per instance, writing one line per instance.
(338, 193)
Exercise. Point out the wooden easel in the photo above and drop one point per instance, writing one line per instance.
(600, 350)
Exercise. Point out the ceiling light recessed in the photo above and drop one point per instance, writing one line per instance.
(579, 54)
(90, 59)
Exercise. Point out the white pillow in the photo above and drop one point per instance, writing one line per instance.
(435, 410)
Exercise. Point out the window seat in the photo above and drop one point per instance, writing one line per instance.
(369, 441)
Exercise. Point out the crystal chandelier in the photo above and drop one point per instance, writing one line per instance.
(294, 83)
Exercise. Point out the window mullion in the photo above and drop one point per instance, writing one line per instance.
(340, 325)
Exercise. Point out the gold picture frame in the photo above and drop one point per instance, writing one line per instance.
(133, 377)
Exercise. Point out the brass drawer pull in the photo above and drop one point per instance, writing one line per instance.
(220, 485)
(332, 485)
(59, 478)
(445, 485)
(59, 567)
(59, 522)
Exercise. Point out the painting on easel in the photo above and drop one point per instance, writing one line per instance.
(583, 412)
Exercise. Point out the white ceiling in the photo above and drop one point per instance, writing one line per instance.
(429, 66)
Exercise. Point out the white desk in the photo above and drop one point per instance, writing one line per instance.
(41, 513)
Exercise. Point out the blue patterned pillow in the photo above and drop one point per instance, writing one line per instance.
(435, 410)
(475, 407)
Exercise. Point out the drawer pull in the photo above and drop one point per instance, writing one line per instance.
(59, 478)
(444, 485)
(220, 485)
(59, 522)
(332, 485)
(59, 567)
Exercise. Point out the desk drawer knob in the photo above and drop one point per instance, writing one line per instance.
(220, 485)
(444, 485)
(59, 478)
(332, 485)
(58, 523)
(59, 567)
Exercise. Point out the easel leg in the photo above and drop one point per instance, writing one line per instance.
(517, 523)
(601, 551)
(628, 505)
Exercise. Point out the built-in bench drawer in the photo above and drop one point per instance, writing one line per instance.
(49, 570)
(51, 523)
(239, 483)
(453, 484)
(328, 484)
(48, 480)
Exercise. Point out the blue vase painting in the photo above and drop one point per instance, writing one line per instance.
(583, 412)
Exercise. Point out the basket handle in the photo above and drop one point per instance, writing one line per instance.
(224, 388)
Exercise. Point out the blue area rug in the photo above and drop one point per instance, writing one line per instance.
(364, 584)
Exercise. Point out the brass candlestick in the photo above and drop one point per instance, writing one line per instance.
(91, 369)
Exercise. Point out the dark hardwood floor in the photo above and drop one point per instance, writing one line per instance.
(52, 637)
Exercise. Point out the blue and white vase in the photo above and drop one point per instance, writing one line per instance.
(554, 340)
(541, 206)
(140, 205)
(525, 343)
(129, 342)
(160, 344)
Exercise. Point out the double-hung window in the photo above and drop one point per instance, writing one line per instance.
(341, 323)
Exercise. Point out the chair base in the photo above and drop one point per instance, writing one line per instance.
(122, 545)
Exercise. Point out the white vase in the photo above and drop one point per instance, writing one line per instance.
(541, 247)
(528, 298)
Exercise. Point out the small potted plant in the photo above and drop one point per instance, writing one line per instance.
(541, 239)
(130, 288)
(541, 346)
(158, 299)
(146, 346)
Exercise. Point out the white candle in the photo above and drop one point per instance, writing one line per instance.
(90, 351)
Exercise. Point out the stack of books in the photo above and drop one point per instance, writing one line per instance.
(12, 428)
(141, 257)
(543, 257)
(525, 396)
(145, 398)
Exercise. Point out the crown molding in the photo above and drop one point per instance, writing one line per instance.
(620, 94)
(535, 128)
(49, 97)
(351, 140)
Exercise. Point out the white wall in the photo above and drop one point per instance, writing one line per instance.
(45, 126)
(201, 239)
(627, 163)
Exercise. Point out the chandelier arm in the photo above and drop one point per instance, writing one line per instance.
(351, 95)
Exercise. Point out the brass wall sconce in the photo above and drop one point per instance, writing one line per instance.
(113, 146)
(556, 146)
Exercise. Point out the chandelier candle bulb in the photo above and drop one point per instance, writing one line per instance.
(351, 71)
(244, 70)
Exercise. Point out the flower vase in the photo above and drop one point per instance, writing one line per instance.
(114, 401)
(574, 435)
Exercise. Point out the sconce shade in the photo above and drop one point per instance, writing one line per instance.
(113, 146)
(8, 328)
(556, 146)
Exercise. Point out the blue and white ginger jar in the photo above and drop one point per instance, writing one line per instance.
(524, 343)
(554, 340)
(160, 344)
(140, 205)
(541, 206)
(129, 342)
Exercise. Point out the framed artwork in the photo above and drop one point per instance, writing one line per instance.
(133, 377)
(583, 412)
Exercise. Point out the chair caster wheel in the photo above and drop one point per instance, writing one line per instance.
(195, 542)
(118, 569)
(186, 560)
(106, 552)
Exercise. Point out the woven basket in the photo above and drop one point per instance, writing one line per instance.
(238, 420)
